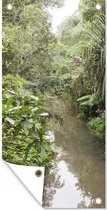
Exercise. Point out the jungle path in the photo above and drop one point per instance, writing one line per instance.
(77, 176)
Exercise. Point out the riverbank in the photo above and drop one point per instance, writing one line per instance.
(77, 173)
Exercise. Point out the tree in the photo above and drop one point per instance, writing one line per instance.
(31, 40)
(88, 9)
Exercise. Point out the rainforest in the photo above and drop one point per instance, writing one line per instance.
(54, 93)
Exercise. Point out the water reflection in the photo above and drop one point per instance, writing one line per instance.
(77, 177)
(54, 182)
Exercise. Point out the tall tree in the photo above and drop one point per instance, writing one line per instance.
(27, 37)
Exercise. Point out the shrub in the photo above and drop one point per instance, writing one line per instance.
(24, 127)
(98, 125)
(13, 81)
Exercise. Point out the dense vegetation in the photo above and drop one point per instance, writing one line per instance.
(68, 64)
(81, 64)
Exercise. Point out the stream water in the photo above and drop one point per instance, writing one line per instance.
(76, 178)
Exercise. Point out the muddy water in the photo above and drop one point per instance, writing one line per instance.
(77, 176)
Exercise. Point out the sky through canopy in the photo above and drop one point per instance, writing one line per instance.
(69, 8)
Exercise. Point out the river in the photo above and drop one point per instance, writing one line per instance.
(76, 178)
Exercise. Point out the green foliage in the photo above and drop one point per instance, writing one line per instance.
(95, 56)
(70, 30)
(13, 17)
(83, 40)
(7, 52)
(27, 38)
(27, 50)
(71, 63)
(24, 127)
(14, 82)
(98, 125)
(88, 100)
(88, 9)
